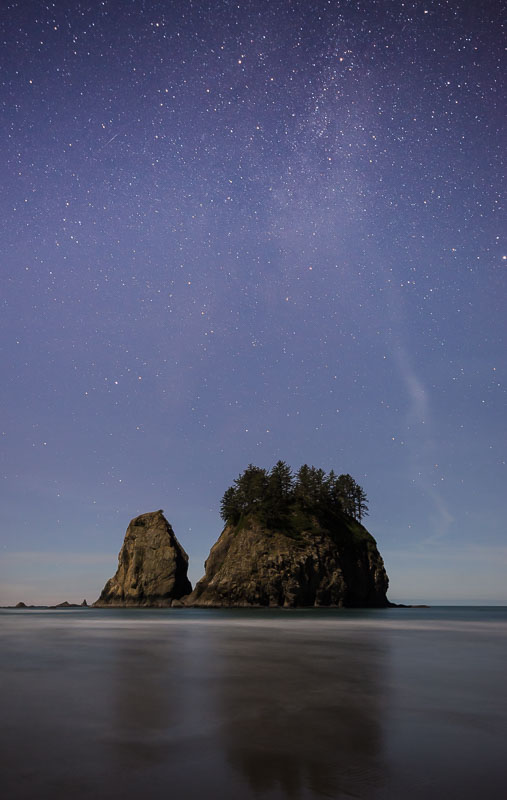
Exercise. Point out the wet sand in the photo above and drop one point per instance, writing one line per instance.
(239, 704)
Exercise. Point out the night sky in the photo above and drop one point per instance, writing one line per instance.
(236, 232)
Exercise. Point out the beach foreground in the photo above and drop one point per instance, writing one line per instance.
(275, 704)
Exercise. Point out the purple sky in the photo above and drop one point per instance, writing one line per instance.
(235, 232)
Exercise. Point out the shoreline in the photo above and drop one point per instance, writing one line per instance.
(421, 606)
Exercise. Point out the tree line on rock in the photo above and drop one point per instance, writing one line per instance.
(277, 496)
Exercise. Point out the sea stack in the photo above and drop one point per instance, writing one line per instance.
(152, 566)
(255, 565)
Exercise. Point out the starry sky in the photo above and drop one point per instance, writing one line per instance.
(236, 232)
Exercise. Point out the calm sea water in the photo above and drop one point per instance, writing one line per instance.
(398, 703)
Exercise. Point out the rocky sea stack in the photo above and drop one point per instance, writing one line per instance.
(293, 540)
(152, 566)
(252, 565)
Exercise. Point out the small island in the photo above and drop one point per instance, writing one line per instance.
(293, 541)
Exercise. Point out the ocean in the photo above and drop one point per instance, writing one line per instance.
(261, 704)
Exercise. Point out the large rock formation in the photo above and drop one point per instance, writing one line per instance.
(152, 566)
(252, 565)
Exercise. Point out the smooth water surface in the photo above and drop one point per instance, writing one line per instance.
(383, 704)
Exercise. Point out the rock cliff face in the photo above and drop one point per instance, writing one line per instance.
(251, 565)
(152, 566)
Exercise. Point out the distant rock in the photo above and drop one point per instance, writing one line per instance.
(253, 565)
(84, 604)
(66, 604)
(21, 605)
(152, 566)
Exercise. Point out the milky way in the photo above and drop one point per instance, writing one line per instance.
(238, 232)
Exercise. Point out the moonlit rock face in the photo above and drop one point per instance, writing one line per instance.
(251, 565)
(152, 566)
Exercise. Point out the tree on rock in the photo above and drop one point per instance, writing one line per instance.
(230, 507)
(352, 496)
(274, 497)
(280, 482)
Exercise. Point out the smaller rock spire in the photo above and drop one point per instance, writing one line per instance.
(152, 566)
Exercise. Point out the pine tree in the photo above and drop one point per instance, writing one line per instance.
(280, 481)
(316, 482)
(230, 508)
(251, 486)
(346, 488)
(361, 503)
(303, 486)
(332, 496)
(279, 495)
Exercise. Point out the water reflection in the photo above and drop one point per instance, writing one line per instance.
(161, 731)
(144, 705)
(273, 711)
(303, 714)
(251, 706)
